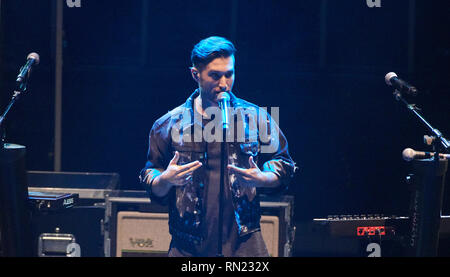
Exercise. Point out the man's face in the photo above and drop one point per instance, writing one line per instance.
(217, 76)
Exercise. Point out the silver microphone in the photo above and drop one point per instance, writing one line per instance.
(410, 154)
(392, 80)
(224, 104)
(32, 60)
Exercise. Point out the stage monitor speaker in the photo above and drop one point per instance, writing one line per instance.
(140, 233)
(15, 237)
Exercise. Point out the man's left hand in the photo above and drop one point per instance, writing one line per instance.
(253, 176)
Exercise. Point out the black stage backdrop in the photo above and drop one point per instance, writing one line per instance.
(322, 62)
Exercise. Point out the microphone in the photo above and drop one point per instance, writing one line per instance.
(392, 80)
(410, 154)
(224, 104)
(32, 59)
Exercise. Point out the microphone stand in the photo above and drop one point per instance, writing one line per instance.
(415, 110)
(21, 88)
(223, 168)
(223, 171)
(16, 234)
(426, 203)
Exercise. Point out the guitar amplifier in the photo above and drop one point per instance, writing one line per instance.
(136, 227)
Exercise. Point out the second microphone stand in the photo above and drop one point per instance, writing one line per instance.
(444, 143)
(15, 219)
(426, 204)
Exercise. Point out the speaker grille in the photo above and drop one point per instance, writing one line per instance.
(147, 234)
(270, 229)
(142, 233)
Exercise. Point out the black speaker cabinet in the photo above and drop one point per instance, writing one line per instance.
(14, 212)
(136, 227)
(83, 224)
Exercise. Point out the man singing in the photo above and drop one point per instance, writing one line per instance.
(183, 168)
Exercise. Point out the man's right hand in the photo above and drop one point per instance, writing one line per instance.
(178, 175)
(174, 175)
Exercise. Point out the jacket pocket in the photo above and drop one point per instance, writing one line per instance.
(239, 157)
(188, 197)
(190, 152)
(244, 151)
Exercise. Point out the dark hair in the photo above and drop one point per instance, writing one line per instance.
(209, 49)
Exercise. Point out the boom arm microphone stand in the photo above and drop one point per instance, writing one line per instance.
(415, 110)
(426, 204)
(21, 87)
(15, 221)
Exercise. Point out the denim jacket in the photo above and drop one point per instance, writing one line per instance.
(176, 131)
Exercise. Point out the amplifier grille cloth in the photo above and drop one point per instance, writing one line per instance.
(148, 233)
